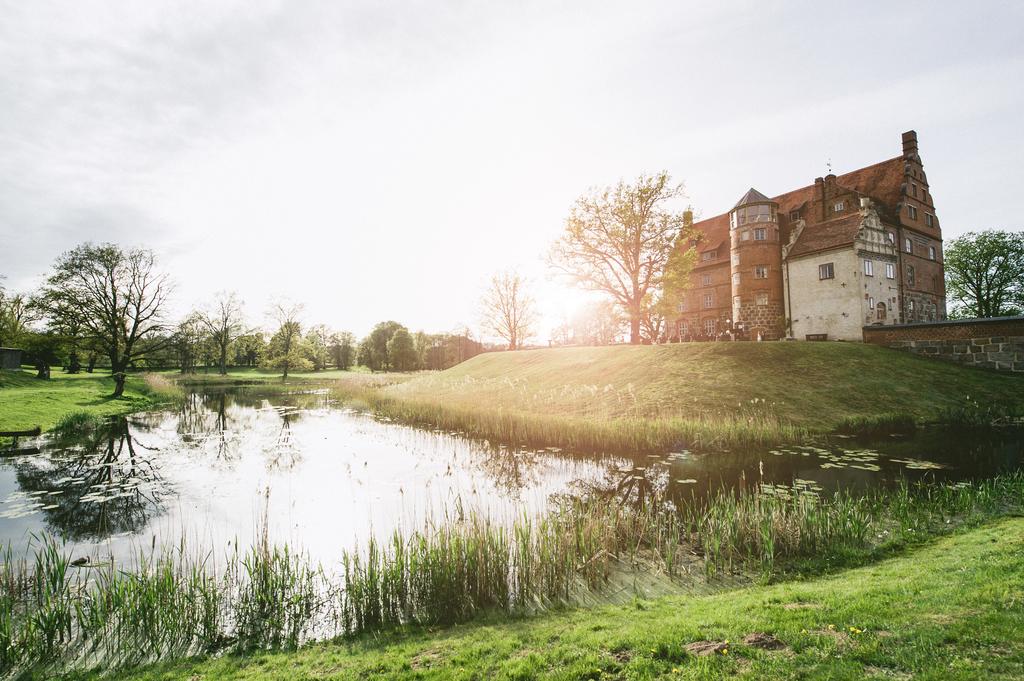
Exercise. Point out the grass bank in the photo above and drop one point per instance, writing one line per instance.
(637, 398)
(951, 609)
(27, 402)
(55, 617)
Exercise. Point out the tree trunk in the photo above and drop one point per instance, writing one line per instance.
(223, 360)
(119, 378)
(634, 328)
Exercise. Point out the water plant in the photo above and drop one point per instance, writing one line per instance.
(57, 614)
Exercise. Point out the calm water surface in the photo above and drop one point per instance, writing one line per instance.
(324, 477)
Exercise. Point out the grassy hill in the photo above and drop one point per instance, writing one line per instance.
(809, 386)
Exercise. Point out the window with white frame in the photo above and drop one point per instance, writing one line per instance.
(912, 212)
(908, 245)
(911, 275)
(890, 270)
(709, 327)
(709, 301)
(929, 219)
(827, 271)
(745, 235)
(931, 252)
(871, 303)
(681, 328)
(760, 271)
(735, 258)
(709, 255)
(761, 298)
(892, 237)
(681, 306)
(760, 234)
(705, 280)
(735, 278)
(869, 268)
(838, 207)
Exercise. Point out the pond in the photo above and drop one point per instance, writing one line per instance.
(229, 464)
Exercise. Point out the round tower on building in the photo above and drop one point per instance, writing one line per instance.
(758, 307)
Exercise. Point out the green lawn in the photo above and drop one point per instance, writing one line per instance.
(813, 385)
(27, 402)
(952, 609)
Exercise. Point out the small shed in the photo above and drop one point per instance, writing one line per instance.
(10, 358)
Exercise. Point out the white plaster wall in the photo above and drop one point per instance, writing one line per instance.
(817, 305)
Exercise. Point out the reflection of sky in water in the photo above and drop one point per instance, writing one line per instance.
(326, 477)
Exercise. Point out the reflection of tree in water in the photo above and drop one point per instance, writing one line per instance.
(281, 453)
(629, 485)
(103, 484)
(511, 470)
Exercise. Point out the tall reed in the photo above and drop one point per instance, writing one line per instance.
(56, 616)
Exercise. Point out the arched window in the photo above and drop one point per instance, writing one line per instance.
(880, 311)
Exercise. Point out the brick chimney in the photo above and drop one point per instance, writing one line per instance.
(909, 143)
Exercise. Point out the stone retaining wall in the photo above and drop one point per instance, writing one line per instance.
(991, 343)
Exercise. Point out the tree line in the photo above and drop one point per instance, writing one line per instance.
(106, 305)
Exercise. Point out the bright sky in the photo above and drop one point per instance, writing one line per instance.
(379, 160)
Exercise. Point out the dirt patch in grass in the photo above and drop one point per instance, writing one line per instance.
(426, 660)
(763, 641)
(705, 648)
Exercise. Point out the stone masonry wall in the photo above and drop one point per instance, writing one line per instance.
(991, 343)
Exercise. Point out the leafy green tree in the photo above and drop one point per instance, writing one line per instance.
(402, 351)
(343, 350)
(286, 350)
(619, 240)
(116, 297)
(373, 351)
(366, 355)
(985, 274)
(16, 314)
(318, 350)
(249, 349)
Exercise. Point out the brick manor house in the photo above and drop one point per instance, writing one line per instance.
(823, 261)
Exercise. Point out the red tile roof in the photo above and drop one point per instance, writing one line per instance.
(823, 236)
(882, 181)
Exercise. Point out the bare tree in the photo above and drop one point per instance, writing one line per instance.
(619, 240)
(115, 297)
(508, 310)
(224, 324)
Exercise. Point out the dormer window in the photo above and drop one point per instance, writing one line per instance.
(913, 190)
(794, 215)
(929, 219)
(709, 255)
(838, 207)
